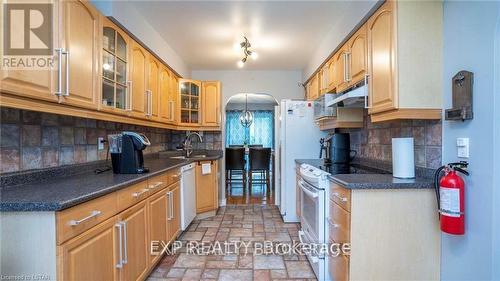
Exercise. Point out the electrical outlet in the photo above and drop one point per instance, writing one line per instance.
(463, 147)
(100, 143)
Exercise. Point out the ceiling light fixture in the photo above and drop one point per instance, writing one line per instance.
(246, 116)
(245, 45)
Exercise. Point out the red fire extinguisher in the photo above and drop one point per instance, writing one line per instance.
(450, 193)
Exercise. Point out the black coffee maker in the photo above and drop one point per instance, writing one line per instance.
(126, 152)
(340, 152)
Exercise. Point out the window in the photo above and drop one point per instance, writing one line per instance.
(260, 132)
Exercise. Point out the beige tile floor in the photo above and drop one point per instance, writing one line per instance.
(247, 223)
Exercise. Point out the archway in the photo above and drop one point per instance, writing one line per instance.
(260, 134)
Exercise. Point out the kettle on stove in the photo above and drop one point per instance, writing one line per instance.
(341, 152)
(126, 151)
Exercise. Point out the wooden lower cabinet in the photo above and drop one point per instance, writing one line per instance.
(119, 248)
(387, 241)
(135, 242)
(174, 220)
(158, 215)
(92, 255)
(206, 188)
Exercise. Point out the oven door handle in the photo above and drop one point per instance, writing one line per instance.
(306, 190)
(313, 258)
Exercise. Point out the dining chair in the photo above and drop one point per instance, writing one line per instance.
(260, 162)
(235, 165)
(255, 146)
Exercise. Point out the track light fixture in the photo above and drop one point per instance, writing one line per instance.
(245, 45)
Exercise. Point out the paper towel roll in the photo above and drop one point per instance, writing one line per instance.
(403, 162)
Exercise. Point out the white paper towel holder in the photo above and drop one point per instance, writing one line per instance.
(403, 158)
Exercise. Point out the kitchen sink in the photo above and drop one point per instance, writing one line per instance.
(192, 156)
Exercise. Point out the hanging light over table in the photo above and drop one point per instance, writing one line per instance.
(246, 117)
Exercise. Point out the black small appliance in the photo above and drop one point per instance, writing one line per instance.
(341, 152)
(126, 152)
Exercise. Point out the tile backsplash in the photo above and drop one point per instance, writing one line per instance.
(34, 140)
(373, 141)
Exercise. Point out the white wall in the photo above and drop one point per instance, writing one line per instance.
(496, 120)
(357, 10)
(135, 22)
(469, 44)
(279, 84)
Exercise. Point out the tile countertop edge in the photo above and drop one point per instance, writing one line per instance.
(35, 206)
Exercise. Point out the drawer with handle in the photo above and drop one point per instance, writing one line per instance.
(158, 183)
(339, 223)
(133, 194)
(77, 219)
(341, 196)
(173, 176)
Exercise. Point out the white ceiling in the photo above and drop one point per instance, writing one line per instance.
(285, 34)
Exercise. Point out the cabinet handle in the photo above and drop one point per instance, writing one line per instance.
(171, 116)
(171, 205)
(66, 94)
(59, 71)
(120, 245)
(348, 66)
(155, 185)
(129, 96)
(169, 195)
(366, 91)
(343, 199)
(138, 194)
(93, 214)
(125, 254)
(334, 225)
(150, 103)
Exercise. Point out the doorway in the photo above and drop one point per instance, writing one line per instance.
(250, 149)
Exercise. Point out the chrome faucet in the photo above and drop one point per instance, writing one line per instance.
(187, 146)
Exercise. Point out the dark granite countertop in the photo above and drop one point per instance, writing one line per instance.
(365, 177)
(65, 192)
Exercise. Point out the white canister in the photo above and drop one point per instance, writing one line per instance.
(403, 159)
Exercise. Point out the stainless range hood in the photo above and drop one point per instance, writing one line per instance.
(357, 97)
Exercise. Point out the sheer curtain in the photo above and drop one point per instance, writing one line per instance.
(260, 132)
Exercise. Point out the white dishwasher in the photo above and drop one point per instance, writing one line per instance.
(188, 195)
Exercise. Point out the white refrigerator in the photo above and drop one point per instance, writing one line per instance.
(297, 137)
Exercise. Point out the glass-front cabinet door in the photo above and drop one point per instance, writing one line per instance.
(115, 94)
(189, 102)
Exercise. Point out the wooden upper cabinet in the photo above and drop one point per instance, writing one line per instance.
(381, 56)
(174, 99)
(152, 93)
(92, 255)
(342, 74)
(135, 242)
(80, 37)
(189, 102)
(358, 57)
(164, 107)
(211, 111)
(114, 68)
(37, 84)
(206, 188)
(139, 74)
(313, 92)
(324, 74)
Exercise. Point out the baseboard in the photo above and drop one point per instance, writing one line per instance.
(206, 215)
(222, 202)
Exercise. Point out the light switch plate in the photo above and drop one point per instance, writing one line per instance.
(463, 147)
(100, 143)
